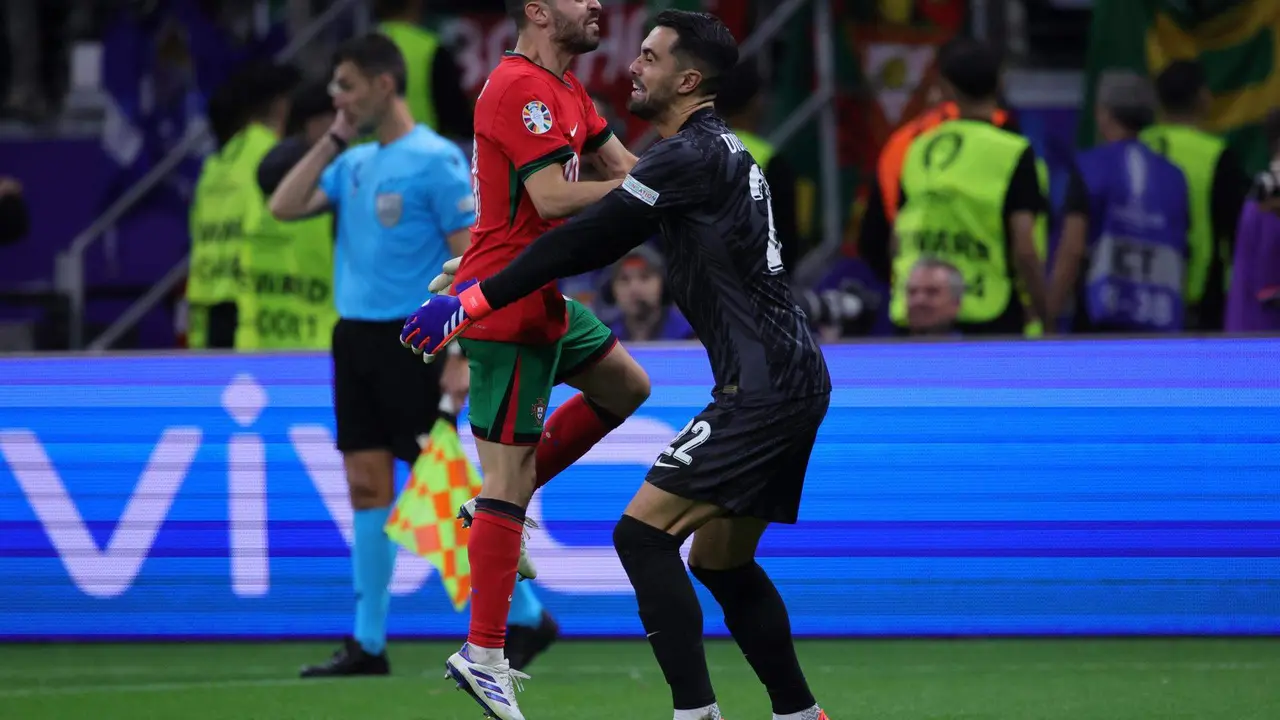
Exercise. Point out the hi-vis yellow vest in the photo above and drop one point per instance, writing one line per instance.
(956, 178)
(1196, 153)
(762, 150)
(418, 46)
(285, 298)
(225, 205)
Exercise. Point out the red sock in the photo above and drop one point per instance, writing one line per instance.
(573, 429)
(494, 550)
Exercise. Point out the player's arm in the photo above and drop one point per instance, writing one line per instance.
(669, 177)
(1070, 255)
(555, 197)
(613, 159)
(603, 149)
(535, 145)
(307, 188)
(1023, 204)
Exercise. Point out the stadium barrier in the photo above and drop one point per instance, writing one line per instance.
(1026, 488)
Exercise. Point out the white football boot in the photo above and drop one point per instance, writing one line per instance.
(493, 687)
(524, 567)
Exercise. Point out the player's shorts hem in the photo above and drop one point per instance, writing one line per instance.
(591, 360)
(517, 440)
(783, 516)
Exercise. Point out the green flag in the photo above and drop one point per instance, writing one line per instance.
(1236, 41)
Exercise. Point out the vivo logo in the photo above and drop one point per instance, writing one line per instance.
(106, 572)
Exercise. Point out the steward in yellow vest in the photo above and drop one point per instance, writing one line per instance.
(221, 208)
(1216, 186)
(227, 206)
(289, 303)
(433, 80)
(971, 197)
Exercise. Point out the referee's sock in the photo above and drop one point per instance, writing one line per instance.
(572, 430)
(669, 610)
(526, 608)
(373, 558)
(757, 618)
(494, 549)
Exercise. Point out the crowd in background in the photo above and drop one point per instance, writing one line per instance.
(925, 280)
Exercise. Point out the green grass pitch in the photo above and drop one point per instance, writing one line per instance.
(887, 680)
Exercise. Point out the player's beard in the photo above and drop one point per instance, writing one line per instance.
(649, 108)
(577, 39)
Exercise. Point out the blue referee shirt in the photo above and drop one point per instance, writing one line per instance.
(396, 206)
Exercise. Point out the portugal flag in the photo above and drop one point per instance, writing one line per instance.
(1236, 41)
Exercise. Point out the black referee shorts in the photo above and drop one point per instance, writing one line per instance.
(751, 461)
(384, 396)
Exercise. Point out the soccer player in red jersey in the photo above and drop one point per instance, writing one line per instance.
(535, 125)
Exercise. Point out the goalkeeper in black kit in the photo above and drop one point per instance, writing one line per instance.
(739, 464)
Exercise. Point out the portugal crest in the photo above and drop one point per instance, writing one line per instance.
(537, 117)
(540, 410)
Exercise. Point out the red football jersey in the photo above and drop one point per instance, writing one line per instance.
(527, 118)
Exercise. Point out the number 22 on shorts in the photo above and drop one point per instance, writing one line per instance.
(699, 432)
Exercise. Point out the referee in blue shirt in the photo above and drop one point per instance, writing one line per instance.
(404, 206)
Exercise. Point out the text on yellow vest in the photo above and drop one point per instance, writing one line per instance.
(955, 179)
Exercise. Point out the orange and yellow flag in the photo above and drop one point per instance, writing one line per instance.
(425, 516)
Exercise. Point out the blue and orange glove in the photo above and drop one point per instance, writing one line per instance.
(441, 318)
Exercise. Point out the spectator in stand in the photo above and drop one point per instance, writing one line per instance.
(15, 221)
(882, 196)
(638, 289)
(1134, 256)
(1253, 304)
(935, 289)
(434, 81)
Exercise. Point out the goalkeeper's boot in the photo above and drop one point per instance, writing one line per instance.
(493, 687)
(524, 566)
(526, 643)
(349, 660)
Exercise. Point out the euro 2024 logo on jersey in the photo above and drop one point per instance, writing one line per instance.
(537, 117)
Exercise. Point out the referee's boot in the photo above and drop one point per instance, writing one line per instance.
(524, 566)
(350, 660)
(526, 643)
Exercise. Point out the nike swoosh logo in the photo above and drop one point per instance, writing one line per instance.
(574, 131)
(661, 463)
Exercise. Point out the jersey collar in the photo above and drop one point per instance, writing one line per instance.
(514, 54)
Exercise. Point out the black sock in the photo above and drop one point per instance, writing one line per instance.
(757, 618)
(669, 609)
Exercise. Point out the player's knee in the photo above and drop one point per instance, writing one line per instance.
(632, 537)
(637, 388)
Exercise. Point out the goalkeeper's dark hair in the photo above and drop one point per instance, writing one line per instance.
(702, 42)
(374, 54)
